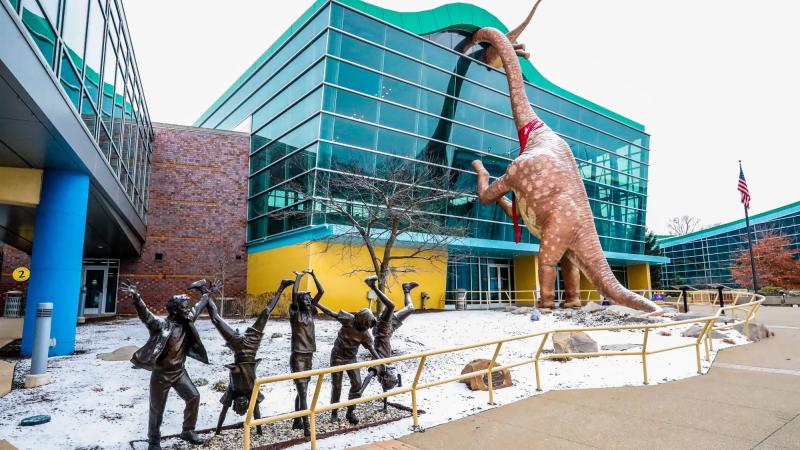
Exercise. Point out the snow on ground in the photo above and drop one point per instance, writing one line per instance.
(99, 404)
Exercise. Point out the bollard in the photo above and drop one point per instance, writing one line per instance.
(41, 346)
(721, 301)
(461, 299)
(424, 296)
(783, 297)
(685, 301)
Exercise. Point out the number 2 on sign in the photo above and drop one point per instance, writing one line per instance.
(21, 274)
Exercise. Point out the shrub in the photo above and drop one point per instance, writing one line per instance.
(770, 290)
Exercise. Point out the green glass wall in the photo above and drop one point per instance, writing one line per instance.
(87, 46)
(707, 258)
(345, 89)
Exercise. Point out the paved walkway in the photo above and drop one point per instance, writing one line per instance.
(749, 399)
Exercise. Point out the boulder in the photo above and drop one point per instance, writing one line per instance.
(620, 347)
(758, 331)
(522, 310)
(500, 379)
(695, 330)
(622, 311)
(591, 307)
(535, 315)
(120, 354)
(275, 335)
(573, 342)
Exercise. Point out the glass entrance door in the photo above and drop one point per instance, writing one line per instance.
(499, 277)
(94, 280)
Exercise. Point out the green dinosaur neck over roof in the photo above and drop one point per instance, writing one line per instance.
(766, 216)
(463, 16)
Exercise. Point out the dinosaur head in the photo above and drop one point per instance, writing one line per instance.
(492, 55)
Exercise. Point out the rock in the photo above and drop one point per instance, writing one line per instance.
(120, 354)
(729, 341)
(690, 315)
(696, 329)
(508, 309)
(535, 315)
(664, 333)
(522, 310)
(621, 311)
(220, 386)
(573, 342)
(500, 379)
(620, 347)
(758, 331)
(276, 335)
(591, 307)
(200, 382)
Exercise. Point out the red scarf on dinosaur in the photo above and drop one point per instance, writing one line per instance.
(523, 132)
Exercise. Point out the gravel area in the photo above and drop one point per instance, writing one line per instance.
(282, 434)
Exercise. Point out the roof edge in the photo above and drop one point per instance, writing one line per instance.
(442, 17)
(766, 216)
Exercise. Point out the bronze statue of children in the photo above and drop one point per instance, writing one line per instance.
(304, 342)
(353, 334)
(171, 340)
(245, 346)
(388, 321)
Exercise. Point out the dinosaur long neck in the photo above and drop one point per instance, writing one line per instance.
(520, 107)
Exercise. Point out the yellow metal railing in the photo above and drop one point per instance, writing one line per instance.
(672, 297)
(708, 324)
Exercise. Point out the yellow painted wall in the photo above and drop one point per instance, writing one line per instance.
(639, 277)
(587, 285)
(333, 265)
(526, 277)
(20, 187)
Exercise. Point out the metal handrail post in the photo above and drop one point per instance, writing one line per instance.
(489, 372)
(536, 361)
(414, 414)
(312, 417)
(644, 355)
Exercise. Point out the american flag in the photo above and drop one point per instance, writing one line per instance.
(743, 189)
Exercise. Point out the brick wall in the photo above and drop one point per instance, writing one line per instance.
(197, 215)
(12, 258)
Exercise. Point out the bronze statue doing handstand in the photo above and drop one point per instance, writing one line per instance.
(388, 321)
(171, 340)
(245, 347)
(304, 342)
(353, 334)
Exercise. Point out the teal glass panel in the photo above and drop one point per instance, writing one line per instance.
(358, 79)
(279, 102)
(354, 133)
(70, 82)
(40, 30)
(362, 26)
(73, 30)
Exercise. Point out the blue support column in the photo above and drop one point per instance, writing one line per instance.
(57, 257)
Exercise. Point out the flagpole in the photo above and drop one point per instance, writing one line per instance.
(750, 242)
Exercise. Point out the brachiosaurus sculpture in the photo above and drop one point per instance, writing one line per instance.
(548, 192)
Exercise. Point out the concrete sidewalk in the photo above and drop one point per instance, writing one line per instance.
(749, 399)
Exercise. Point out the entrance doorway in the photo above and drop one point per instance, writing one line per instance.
(99, 281)
(499, 278)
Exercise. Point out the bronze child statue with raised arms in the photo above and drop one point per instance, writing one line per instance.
(304, 341)
(245, 347)
(171, 340)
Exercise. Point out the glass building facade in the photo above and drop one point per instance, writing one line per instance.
(706, 257)
(343, 88)
(87, 46)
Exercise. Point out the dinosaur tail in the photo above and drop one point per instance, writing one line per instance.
(520, 106)
(588, 254)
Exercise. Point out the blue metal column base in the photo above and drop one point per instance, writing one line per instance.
(57, 257)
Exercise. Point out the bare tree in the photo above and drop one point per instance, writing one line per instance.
(399, 205)
(680, 225)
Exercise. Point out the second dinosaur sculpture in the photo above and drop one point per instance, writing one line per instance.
(548, 193)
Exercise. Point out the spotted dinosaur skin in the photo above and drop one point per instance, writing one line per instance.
(550, 195)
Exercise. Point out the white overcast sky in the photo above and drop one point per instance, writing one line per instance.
(713, 81)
